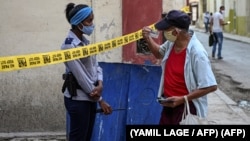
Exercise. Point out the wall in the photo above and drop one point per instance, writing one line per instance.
(172, 4)
(108, 26)
(237, 12)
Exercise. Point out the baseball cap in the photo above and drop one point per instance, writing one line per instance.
(175, 18)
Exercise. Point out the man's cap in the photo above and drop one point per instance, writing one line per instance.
(175, 18)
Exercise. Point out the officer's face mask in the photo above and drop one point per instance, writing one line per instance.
(87, 29)
(169, 36)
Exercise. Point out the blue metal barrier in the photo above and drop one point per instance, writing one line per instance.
(134, 88)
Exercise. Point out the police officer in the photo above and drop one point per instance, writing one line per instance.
(83, 77)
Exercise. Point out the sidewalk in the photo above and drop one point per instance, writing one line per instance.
(223, 110)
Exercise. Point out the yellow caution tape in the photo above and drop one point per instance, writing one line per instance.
(11, 63)
(186, 9)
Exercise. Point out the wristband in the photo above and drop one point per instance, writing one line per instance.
(100, 99)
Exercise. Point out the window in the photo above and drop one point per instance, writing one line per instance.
(142, 47)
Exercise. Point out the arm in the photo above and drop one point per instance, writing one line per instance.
(211, 25)
(78, 70)
(107, 109)
(153, 46)
(97, 91)
(223, 23)
(200, 92)
(178, 100)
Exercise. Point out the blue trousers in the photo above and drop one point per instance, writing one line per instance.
(206, 26)
(80, 116)
(219, 41)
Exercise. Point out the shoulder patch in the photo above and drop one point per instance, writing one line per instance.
(68, 41)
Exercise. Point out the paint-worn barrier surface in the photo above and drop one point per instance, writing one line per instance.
(133, 87)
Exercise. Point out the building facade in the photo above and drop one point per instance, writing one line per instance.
(237, 12)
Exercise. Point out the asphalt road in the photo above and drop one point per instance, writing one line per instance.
(236, 58)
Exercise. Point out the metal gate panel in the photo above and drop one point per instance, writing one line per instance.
(129, 86)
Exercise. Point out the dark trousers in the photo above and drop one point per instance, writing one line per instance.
(81, 119)
(206, 27)
(172, 116)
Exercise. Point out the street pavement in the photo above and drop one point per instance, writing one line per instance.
(221, 109)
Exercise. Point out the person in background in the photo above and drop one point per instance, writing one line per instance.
(186, 68)
(210, 18)
(83, 77)
(216, 28)
(206, 18)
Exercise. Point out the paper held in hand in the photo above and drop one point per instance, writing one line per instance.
(154, 34)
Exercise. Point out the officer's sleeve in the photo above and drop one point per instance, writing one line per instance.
(77, 68)
(99, 73)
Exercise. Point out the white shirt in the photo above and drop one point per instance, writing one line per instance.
(216, 22)
(206, 18)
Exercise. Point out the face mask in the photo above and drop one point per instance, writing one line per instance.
(223, 12)
(169, 36)
(87, 29)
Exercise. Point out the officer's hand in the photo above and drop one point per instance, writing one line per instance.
(107, 109)
(97, 91)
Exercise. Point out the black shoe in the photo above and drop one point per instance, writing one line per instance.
(220, 58)
(212, 55)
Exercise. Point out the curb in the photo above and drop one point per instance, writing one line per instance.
(33, 135)
(233, 114)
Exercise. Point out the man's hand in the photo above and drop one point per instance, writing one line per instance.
(145, 32)
(152, 45)
(175, 101)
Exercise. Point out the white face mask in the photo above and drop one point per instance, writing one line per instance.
(169, 36)
(223, 12)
